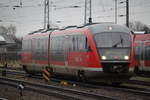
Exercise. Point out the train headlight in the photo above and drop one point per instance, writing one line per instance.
(104, 57)
(126, 57)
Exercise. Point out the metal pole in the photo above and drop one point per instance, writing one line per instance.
(127, 13)
(85, 11)
(44, 14)
(48, 25)
(21, 3)
(116, 11)
(90, 17)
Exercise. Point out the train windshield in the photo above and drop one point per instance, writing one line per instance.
(112, 39)
(111, 35)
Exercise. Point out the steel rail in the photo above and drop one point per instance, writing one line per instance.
(92, 85)
(139, 82)
(138, 91)
(57, 91)
(13, 71)
(3, 99)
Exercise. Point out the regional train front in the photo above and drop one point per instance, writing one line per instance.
(114, 45)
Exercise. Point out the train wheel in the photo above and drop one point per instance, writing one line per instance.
(27, 71)
(81, 76)
(136, 69)
(116, 83)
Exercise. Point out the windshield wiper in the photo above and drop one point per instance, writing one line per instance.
(120, 42)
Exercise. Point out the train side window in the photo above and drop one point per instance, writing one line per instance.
(76, 43)
(29, 45)
(70, 43)
(24, 45)
(80, 43)
(34, 45)
(46, 44)
(83, 43)
(147, 53)
(51, 43)
(137, 53)
(60, 44)
(42, 43)
(73, 43)
(57, 44)
(87, 45)
(37, 45)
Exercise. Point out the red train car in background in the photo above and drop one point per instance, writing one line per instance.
(142, 53)
(97, 51)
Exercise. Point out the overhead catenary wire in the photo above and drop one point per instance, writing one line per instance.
(64, 7)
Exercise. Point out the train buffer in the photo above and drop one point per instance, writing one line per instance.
(46, 75)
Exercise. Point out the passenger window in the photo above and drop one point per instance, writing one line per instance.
(70, 43)
(80, 43)
(147, 53)
(87, 45)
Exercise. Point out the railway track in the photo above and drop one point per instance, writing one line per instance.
(128, 89)
(18, 71)
(3, 99)
(139, 82)
(57, 91)
(133, 90)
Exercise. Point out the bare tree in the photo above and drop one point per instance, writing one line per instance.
(9, 31)
(146, 29)
(3, 30)
(139, 26)
(12, 30)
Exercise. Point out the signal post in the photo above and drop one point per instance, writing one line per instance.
(46, 74)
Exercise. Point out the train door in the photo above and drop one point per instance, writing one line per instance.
(142, 54)
(66, 50)
(31, 50)
(139, 54)
(146, 55)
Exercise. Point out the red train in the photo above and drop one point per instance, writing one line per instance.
(142, 53)
(97, 51)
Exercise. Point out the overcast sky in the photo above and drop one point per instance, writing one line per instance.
(30, 16)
